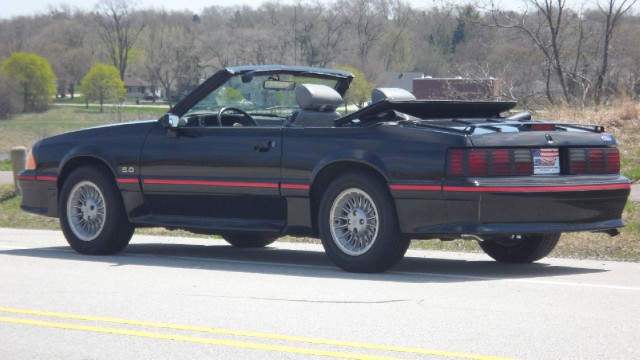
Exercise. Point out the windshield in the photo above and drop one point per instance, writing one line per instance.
(271, 94)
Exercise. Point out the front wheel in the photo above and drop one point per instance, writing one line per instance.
(357, 225)
(92, 214)
(520, 249)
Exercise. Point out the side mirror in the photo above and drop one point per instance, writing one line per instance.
(170, 121)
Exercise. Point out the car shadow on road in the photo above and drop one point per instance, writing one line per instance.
(275, 260)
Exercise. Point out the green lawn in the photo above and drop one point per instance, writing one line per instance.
(5, 165)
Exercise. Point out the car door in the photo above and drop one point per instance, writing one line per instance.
(224, 178)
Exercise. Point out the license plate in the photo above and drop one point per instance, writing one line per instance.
(546, 161)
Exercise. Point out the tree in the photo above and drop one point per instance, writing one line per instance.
(9, 98)
(546, 28)
(169, 48)
(103, 83)
(118, 29)
(34, 77)
(360, 90)
(367, 20)
(395, 46)
(612, 13)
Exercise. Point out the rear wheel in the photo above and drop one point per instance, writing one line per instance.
(249, 240)
(520, 249)
(92, 214)
(357, 225)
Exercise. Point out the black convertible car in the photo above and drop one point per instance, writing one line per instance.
(258, 152)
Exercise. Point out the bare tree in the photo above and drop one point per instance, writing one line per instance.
(64, 43)
(306, 29)
(334, 22)
(612, 11)
(368, 18)
(395, 46)
(170, 51)
(546, 29)
(118, 27)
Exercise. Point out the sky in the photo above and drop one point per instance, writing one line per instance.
(12, 8)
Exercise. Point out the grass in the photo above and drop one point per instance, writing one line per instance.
(5, 165)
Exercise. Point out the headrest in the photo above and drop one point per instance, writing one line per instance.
(317, 97)
(392, 94)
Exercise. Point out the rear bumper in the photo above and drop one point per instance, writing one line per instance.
(516, 206)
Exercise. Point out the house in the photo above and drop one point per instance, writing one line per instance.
(138, 88)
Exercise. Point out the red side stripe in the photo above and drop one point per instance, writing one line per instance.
(37, 178)
(295, 186)
(526, 189)
(210, 183)
(126, 181)
(416, 187)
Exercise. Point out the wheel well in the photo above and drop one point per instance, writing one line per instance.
(330, 172)
(77, 162)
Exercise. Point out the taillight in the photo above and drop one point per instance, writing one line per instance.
(519, 162)
(455, 162)
(523, 162)
(594, 161)
(478, 162)
(489, 162)
(501, 162)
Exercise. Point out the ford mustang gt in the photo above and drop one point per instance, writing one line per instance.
(255, 153)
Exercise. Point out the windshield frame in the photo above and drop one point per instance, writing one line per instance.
(270, 94)
(342, 81)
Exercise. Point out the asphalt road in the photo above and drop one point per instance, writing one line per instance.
(168, 298)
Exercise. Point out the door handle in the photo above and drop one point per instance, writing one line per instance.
(265, 147)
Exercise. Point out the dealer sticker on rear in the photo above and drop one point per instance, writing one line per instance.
(546, 161)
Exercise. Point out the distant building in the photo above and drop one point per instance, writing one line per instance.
(403, 80)
(457, 89)
(428, 88)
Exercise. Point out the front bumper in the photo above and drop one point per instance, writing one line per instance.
(39, 193)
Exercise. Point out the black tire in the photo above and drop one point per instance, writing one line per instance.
(249, 240)
(520, 249)
(364, 237)
(92, 214)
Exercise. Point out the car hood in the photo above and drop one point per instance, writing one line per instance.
(134, 128)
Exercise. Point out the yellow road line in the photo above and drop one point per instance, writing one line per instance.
(256, 335)
(237, 344)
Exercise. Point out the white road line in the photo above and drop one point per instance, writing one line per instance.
(530, 281)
